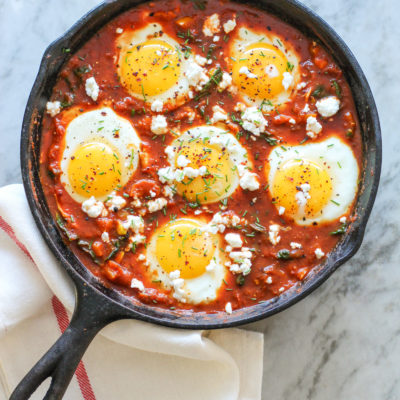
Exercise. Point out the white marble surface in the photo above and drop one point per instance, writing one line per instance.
(343, 341)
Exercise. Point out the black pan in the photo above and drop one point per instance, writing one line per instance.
(97, 306)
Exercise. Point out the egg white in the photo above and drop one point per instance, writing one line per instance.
(337, 159)
(201, 289)
(100, 126)
(246, 37)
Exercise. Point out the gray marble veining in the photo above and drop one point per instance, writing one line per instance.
(343, 341)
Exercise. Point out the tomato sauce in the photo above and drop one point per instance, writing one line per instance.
(270, 275)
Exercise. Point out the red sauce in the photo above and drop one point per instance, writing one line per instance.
(318, 70)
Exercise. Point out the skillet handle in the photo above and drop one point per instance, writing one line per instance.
(61, 360)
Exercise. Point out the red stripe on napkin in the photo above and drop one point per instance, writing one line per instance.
(62, 318)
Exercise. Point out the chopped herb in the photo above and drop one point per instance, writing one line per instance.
(338, 89)
(335, 202)
(61, 223)
(340, 230)
(289, 66)
(283, 254)
(213, 82)
(240, 280)
(319, 92)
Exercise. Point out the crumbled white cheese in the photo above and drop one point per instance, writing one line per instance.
(105, 237)
(295, 245)
(234, 240)
(119, 31)
(137, 238)
(133, 222)
(249, 181)
(153, 193)
(343, 220)
(192, 173)
(269, 280)
(292, 121)
(242, 261)
(211, 25)
(211, 267)
(159, 125)
(92, 88)
(182, 161)
(141, 257)
(281, 289)
(306, 109)
(220, 221)
(219, 115)
(301, 85)
(254, 121)
(157, 204)
(328, 106)
(216, 38)
(115, 202)
(303, 195)
(177, 285)
(244, 70)
(271, 71)
(226, 81)
(136, 203)
(196, 75)
(313, 127)
(229, 25)
(168, 191)
(157, 105)
(92, 207)
(228, 308)
(287, 80)
(53, 108)
(273, 234)
(281, 210)
(202, 61)
(136, 284)
(319, 253)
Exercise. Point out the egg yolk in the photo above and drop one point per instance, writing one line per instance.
(265, 64)
(94, 170)
(303, 187)
(221, 172)
(181, 245)
(150, 68)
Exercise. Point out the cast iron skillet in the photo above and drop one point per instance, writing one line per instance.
(97, 306)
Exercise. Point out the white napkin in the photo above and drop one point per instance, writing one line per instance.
(128, 359)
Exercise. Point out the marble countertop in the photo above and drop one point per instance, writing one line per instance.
(343, 341)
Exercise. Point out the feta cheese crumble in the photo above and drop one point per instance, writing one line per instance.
(115, 202)
(159, 125)
(136, 284)
(241, 261)
(53, 108)
(202, 61)
(328, 106)
(343, 220)
(157, 105)
(281, 210)
(177, 285)
(133, 222)
(219, 115)
(287, 80)
(119, 31)
(302, 195)
(211, 25)
(157, 204)
(105, 237)
(273, 234)
(234, 240)
(244, 70)
(196, 75)
(226, 81)
(92, 207)
(228, 308)
(313, 127)
(254, 121)
(249, 181)
(92, 88)
(229, 25)
(182, 161)
(295, 245)
(319, 253)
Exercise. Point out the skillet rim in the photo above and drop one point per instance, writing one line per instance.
(347, 247)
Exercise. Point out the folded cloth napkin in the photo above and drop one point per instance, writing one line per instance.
(128, 359)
